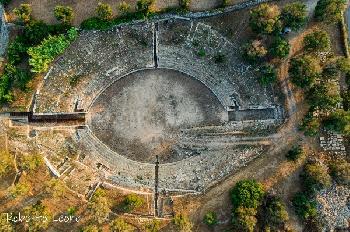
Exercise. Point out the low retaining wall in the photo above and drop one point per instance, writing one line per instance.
(4, 33)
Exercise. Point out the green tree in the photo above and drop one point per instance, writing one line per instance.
(244, 219)
(274, 212)
(280, 47)
(99, 206)
(268, 74)
(30, 162)
(247, 193)
(124, 8)
(254, 51)
(294, 15)
(304, 207)
(104, 11)
(210, 218)
(24, 12)
(265, 19)
(5, 225)
(119, 225)
(17, 51)
(321, 97)
(317, 41)
(338, 121)
(132, 202)
(183, 223)
(295, 153)
(315, 177)
(340, 171)
(6, 163)
(153, 226)
(91, 228)
(185, 4)
(310, 125)
(64, 14)
(40, 211)
(329, 11)
(56, 188)
(303, 70)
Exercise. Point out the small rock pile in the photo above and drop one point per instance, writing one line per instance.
(333, 142)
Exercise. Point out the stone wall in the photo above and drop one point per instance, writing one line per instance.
(4, 33)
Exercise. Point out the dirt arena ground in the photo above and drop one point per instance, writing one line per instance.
(141, 115)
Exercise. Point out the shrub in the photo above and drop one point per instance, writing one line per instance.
(315, 177)
(6, 80)
(119, 225)
(265, 19)
(42, 55)
(268, 74)
(343, 64)
(30, 162)
(5, 225)
(99, 207)
(247, 193)
(6, 163)
(244, 219)
(340, 171)
(104, 11)
(254, 51)
(22, 77)
(330, 71)
(91, 228)
(210, 218)
(185, 4)
(303, 70)
(23, 12)
(280, 47)
(274, 212)
(183, 223)
(317, 41)
(220, 58)
(132, 202)
(145, 7)
(153, 226)
(295, 153)
(17, 51)
(338, 121)
(294, 15)
(55, 187)
(201, 53)
(320, 97)
(304, 207)
(19, 190)
(124, 8)
(329, 11)
(37, 210)
(310, 125)
(5, 2)
(64, 14)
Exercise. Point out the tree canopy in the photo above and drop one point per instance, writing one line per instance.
(294, 15)
(265, 19)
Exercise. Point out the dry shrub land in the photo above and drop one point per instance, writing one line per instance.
(234, 122)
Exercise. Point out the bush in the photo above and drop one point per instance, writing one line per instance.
(36, 211)
(119, 225)
(329, 11)
(17, 51)
(64, 14)
(6, 163)
(42, 55)
(98, 206)
(5, 2)
(254, 51)
(183, 223)
(338, 121)
(132, 202)
(280, 47)
(185, 4)
(104, 11)
(19, 190)
(320, 97)
(274, 212)
(124, 8)
(310, 125)
(265, 19)
(247, 193)
(91, 228)
(315, 177)
(268, 74)
(5, 225)
(330, 71)
(304, 207)
(153, 226)
(295, 153)
(220, 58)
(30, 163)
(22, 77)
(6, 80)
(294, 15)
(55, 188)
(244, 219)
(23, 12)
(210, 218)
(317, 41)
(340, 171)
(303, 70)
(145, 7)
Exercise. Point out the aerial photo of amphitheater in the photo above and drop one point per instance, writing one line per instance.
(174, 115)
